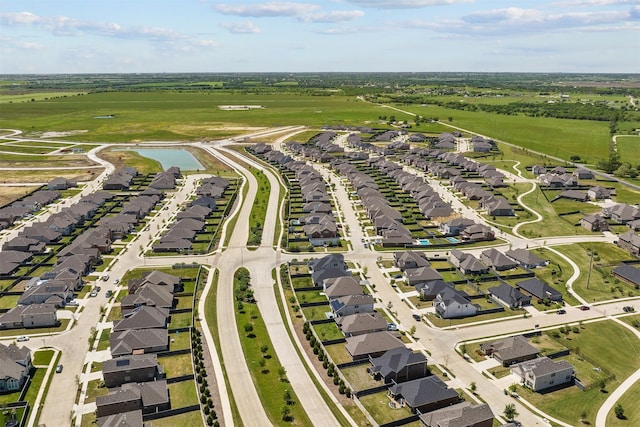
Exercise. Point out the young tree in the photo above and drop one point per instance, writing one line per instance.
(510, 412)
(473, 387)
(285, 411)
(619, 410)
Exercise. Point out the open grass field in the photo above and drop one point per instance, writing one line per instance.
(180, 116)
(629, 148)
(601, 285)
(556, 137)
(629, 402)
(603, 344)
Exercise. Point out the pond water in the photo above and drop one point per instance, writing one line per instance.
(169, 157)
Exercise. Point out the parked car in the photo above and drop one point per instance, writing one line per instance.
(628, 309)
(105, 277)
(22, 338)
(98, 288)
(416, 316)
(115, 282)
(72, 303)
(585, 307)
(392, 327)
(561, 311)
(108, 294)
(58, 369)
(93, 293)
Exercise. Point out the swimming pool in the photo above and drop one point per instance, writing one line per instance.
(423, 242)
(452, 240)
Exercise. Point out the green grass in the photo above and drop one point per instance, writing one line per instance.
(601, 285)
(42, 357)
(358, 377)
(180, 320)
(152, 115)
(629, 402)
(94, 390)
(212, 320)
(193, 418)
(377, 405)
(103, 342)
(183, 394)
(269, 386)
(603, 344)
(328, 331)
(629, 148)
(176, 365)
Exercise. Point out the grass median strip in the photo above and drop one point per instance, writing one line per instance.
(269, 377)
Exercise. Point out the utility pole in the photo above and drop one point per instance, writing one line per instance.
(590, 265)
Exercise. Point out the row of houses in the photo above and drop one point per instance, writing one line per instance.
(43, 295)
(136, 381)
(26, 206)
(193, 220)
(403, 373)
(535, 372)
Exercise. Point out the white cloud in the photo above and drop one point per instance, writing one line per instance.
(241, 27)
(332, 17)
(304, 12)
(405, 4)
(16, 43)
(65, 26)
(578, 3)
(513, 21)
(270, 9)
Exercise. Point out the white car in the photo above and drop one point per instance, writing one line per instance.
(22, 338)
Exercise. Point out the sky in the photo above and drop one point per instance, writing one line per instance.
(139, 36)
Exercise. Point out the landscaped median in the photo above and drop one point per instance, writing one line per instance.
(278, 398)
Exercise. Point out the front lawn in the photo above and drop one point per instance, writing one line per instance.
(604, 345)
(377, 405)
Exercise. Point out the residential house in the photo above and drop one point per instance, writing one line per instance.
(361, 323)
(398, 365)
(467, 263)
(144, 317)
(148, 295)
(628, 273)
(150, 397)
(455, 226)
(134, 368)
(526, 258)
(497, 260)
(138, 341)
(15, 364)
(60, 183)
(421, 275)
(582, 173)
(123, 419)
(54, 292)
(510, 350)
(29, 316)
(463, 414)
(630, 242)
(509, 296)
(429, 290)
(477, 233)
(423, 394)
(579, 196)
(451, 303)
(374, 344)
(352, 304)
(539, 289)
(342, 286)
(410, 260)
(543, 373)
(598, 193)
(158, 278)
(621, 213)
(594, 223)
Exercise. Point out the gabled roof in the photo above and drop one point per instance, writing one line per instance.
(539, 289)
(463, 414)
(523, 256)
(509, 295)
(124, 419)
(374, 342)
(424, 391)
(342, 286)
(510, 348)
(395, 360)
(144, 317)
(130, 363)
(628, 272)
(130, 340)
(355, 324)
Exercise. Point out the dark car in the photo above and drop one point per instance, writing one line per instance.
(585, 307)
(561, 311)
(628, 309)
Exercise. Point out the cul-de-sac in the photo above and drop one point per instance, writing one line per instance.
(437, 250)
